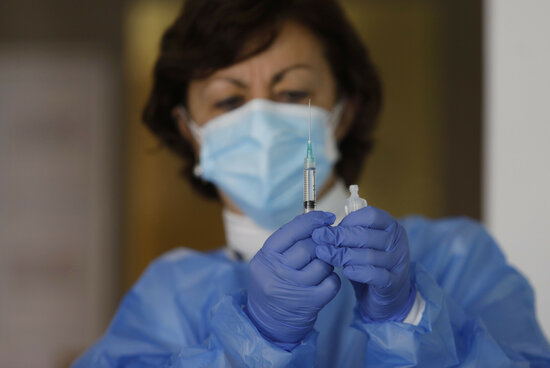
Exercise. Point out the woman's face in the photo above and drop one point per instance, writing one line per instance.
(292, 69)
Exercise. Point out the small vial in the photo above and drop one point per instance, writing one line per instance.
(354, 202)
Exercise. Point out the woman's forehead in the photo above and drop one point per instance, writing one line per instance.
(294, 45)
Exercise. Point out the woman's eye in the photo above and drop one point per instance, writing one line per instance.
(293, 96)
(230, 103)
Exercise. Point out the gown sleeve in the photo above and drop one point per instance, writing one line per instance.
(179, 314)
(479, 310)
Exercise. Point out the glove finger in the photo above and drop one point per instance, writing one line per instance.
(326, 290)
(367, 274)
(354, 236)
(311, 275)
(300, 228)
(369, 216)
(300, 254)
(344, 256)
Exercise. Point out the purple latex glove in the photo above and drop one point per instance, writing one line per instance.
(288, 285)
(373, 249)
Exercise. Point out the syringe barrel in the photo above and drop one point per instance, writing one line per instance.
(309, 186)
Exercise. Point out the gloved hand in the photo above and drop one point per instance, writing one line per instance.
(288, 285)
(373, 249)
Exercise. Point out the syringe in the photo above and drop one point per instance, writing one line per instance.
(309, 172)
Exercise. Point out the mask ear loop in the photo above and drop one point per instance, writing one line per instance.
(195, 129)
(332, 124)
(196, 132)
(336, 113)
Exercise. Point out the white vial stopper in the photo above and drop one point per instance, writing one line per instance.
(354, 202)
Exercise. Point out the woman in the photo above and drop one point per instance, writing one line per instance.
(230, 96)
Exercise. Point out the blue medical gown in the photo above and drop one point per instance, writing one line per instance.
(187, 311)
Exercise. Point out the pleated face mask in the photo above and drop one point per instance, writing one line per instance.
(255, 155)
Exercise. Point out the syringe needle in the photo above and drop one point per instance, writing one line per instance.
(309, 132)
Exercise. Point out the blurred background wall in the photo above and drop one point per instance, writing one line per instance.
(61, 134)
(88, 197)
(516, 152)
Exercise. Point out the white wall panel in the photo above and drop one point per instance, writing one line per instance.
(517, 138)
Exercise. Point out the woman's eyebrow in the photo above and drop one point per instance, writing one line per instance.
(280, 74)
(274, 80)
(234, 81)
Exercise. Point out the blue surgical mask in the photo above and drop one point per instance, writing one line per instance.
(255, 155)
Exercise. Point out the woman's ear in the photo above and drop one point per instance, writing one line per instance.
(181, 117)
(346, 121)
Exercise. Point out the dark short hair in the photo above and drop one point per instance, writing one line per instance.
(209, 35)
